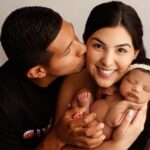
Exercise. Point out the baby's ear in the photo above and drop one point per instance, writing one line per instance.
(36, 72)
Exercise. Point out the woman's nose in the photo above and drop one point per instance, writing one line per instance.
(107, 60)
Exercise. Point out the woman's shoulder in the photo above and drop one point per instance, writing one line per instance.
(79, 80)
(80, 76)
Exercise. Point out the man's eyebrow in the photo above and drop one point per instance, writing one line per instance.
(68, 46)
(71, 41)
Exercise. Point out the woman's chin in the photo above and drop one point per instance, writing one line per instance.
(105, 84)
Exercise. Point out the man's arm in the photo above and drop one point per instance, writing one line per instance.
(72, 131)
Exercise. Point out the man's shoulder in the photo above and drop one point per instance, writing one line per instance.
(8, 77)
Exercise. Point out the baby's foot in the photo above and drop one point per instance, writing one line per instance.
(85, 98)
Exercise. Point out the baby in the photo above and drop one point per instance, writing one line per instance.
(133, 92)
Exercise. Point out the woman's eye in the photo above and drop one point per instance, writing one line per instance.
(98, 46)
(122, 50)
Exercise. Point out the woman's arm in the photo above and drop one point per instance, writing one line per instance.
(78, 134)
(69, 88)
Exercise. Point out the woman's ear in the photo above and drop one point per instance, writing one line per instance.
(36, 72)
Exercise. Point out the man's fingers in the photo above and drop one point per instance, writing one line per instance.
(87, 142)
(70, 113)
(89, 118)
(85, 120)
(95, 130)
(76, 110)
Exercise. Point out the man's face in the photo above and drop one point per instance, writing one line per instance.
(68, 53)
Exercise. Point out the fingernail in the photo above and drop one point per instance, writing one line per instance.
(94, 114)
(102, 137)
(101, 125)
(130, 112)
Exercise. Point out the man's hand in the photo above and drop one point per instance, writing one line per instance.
(77, 132)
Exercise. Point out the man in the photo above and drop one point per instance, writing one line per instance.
(40, 47)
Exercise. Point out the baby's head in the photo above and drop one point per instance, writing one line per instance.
(135, 85)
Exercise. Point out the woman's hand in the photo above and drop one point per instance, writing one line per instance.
(117, 113)
(130, 128)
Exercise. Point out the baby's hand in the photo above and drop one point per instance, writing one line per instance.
(105, 91)
(110, 90)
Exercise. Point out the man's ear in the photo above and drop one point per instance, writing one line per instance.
(36, 72)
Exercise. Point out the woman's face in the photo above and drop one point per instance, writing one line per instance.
(109, 53)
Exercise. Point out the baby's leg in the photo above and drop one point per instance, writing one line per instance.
(84, 98)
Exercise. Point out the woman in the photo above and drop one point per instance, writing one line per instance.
(113, 35)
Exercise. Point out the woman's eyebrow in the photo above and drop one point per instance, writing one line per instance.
(98, 40)
(119, 45)
(125, 44)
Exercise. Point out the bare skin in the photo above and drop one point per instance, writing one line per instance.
(124, 135)
(87, 82)
(113, 109)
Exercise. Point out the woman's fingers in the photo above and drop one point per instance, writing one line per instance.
(127, 120)
(141, 116)
(131, 127)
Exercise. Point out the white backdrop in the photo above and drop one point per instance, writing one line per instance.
(76, 11)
